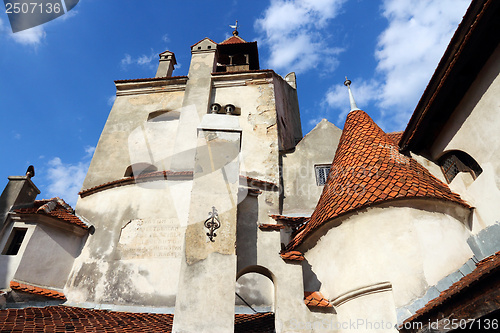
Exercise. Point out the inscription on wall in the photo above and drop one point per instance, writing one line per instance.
(151, 238)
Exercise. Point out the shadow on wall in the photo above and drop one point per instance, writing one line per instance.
(246, 235)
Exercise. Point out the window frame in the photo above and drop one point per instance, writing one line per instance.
(317, 169)
(15, 241)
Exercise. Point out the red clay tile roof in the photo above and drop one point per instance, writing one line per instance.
(368, 169)
(56, 208)
(290, 220)
(73, 319)
(395, 136)
(146, 177)
(254, 182)
(254, 323)
(233, 40)
(483, 268)
(292, 255)
(272, 227)
(27, 288)
(315, 298)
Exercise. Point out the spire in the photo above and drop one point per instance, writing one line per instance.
(347, 83)
(235, 27)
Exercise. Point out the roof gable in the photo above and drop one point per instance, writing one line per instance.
(56, 208)
(233, 40)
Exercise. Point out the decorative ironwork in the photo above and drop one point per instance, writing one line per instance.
(212, 224)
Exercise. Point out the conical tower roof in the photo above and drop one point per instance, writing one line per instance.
(368, 169)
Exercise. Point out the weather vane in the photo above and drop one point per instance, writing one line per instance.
(235, 27)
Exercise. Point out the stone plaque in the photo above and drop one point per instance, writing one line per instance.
(151, 238)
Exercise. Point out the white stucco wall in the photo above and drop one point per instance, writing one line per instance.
(411, 248)
(473, 128)
(134, 256)
(10, 263)
(128, 138)
(301, 192)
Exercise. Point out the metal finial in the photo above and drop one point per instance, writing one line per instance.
(347, 83)
(235, 27)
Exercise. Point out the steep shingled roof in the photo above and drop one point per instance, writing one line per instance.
(368, 169)
(56, 208)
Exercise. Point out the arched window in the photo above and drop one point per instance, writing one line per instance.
(163, 115)
(456, 161)
(137, 169)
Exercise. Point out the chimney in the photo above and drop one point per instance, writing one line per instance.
(166, 66)
(19, 191)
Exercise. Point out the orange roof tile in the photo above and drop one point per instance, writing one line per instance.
(273, 227)
(56, 208)
(483, 268)
(233, 40)
(395, 136)
(292, 255)
(27, 288)
(254, 182)
(73, 319)
(315, 298)
(368, 169)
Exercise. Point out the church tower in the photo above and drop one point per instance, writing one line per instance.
(181, 164)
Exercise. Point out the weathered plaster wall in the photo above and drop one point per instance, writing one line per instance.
(9, 263)
(411, 244)
(473, 128)
(259, 146)
(127, 133)
(133, 257)
(301, 193)
(49, 256)
(288, 115)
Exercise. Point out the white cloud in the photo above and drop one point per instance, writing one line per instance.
(32, 37)
(364, 92)
(111, 100)
(409, 50)
(16, 135)
(65, 179)
(292, 32)
(407, 53)
(142, 60)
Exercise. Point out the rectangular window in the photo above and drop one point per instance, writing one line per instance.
(15, 240)
(322, 172)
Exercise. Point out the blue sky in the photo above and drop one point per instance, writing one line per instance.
(56, 80)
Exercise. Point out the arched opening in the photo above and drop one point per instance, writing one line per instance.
(254, 290)
(163, 115)
(137, 169)
(456, 161)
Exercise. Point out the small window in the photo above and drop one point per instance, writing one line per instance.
(457, 161)
(322, 172)
(15, 240)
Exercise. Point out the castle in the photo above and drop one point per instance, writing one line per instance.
(205, 209)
